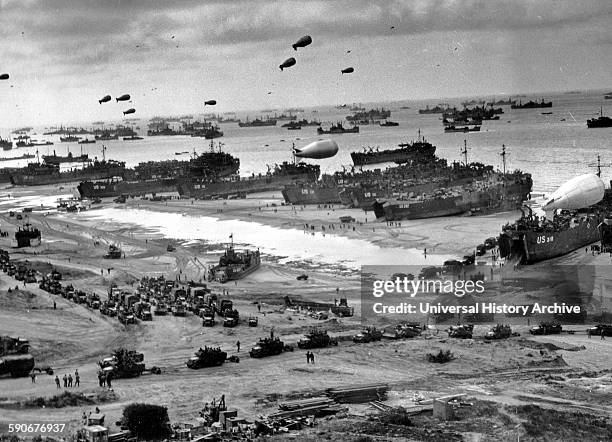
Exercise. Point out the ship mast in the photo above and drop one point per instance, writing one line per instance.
(464, 152)
(503, 155)
(103, 152)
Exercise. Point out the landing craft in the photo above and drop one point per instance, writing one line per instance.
(319, 149)
(348, 70)
(210, 102)
(287, 63)
(4, 76)
(124, 97)
(104, 99)
(577, 193)
(129, 111)
(302, 42)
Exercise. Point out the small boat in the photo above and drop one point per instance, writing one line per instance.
(87, 141)
(462, 129)
(388, 123)
(132, 138)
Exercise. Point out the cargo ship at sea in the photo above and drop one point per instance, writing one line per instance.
(533, 238)
(371, 115)
(337, 129)
(531, 105)
(257, 122)
(432, 110)
(59, 159)
(600, 121)
(406, 153)
(275, 179)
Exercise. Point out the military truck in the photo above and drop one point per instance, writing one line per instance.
(17, 365)
(13, 346)
(269, 347)
(161, 309)
(461, 331)
(114, 252)
(368, 334)
(93, 301)
(316, 339)
(499, 331)
(208, 317)
(342, 309)
(143, 311)
(123, 363)
(178, 309)
(597, 330)
(126, 316)
(546, 328)
(207, 357)
(231, 318)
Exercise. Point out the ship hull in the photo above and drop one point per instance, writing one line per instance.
(539, 246)
(91, 189)
(65, 177)
(492, 200)
(312, 195)
(207, 190)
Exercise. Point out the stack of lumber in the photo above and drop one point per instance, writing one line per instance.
(306, 407)
(359, 393)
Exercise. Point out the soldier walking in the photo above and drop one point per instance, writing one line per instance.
(65, 378)
(33, 376)
(77, 379)
(70, 380)
(312, 357)
(308, 357)
(238, 346)
(57, 382)
(603, 338)
(109, 378)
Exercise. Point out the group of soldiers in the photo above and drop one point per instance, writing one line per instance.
(105, 378)
(69, 381)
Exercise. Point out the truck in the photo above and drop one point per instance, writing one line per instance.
(546, 328)
(368, 334)
(316, 339)
(269, 347)
(499, 331)
(461, 331)
(13, 346)
(93, 301)
(17, 365)
(342, 309)
(207, 357)
(143, 311)
(208, 316)
(123, 363)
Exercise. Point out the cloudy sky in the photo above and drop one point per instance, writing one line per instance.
(172, 55)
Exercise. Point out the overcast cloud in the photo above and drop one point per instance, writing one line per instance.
(78, 49)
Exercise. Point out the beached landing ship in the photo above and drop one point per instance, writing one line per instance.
(27, 236)
(497, 193)
(40, 174)
(532, 238)
(235, 265)
(282, 175)
(155, 177)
